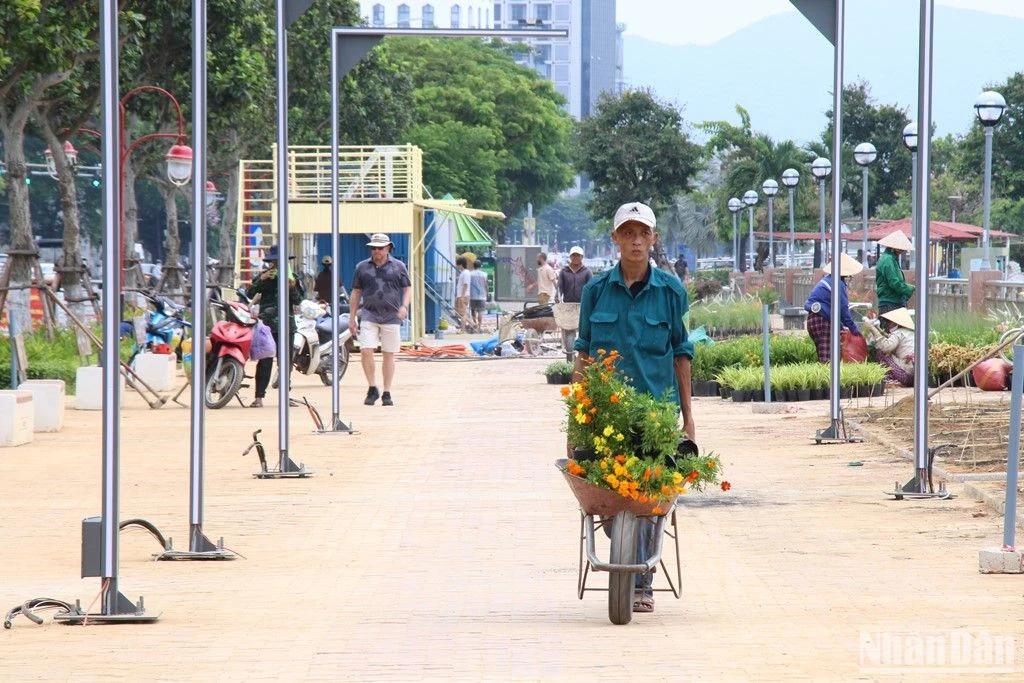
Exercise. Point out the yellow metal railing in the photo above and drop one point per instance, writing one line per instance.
(365, 174)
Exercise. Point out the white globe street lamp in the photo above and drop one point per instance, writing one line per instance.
(771, 188)
(790, 177)
(989, 106)
(864, 154)
(821, 168)
(735, 206)
(750, 200)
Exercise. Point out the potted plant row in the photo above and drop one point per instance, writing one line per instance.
(802, 382)
(559, 372)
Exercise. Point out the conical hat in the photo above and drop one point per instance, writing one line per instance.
(900, 316)
(896, 240)
(848, 266)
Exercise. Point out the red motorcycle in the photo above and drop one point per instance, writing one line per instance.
(227, 348)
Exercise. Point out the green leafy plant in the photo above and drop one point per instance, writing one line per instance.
(559, 367)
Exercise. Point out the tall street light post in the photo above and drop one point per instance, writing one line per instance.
(750, 200)
(864, 154)
(821, 168)
(790, 177)
(770, 189)
(910, 142)
(735, 206)
(989, 106)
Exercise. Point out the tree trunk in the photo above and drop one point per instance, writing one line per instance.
(69, 266)
(172, 276)
(21, 223)
(228, 228)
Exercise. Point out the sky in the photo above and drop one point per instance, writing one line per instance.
(703, 21)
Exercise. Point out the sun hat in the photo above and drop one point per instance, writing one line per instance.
(634, 211)
(900, 316)
(896, 240)
(848, 266)
(576, 250)
(326, 260)
(379, 239)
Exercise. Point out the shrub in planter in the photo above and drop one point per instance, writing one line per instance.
(559, 372)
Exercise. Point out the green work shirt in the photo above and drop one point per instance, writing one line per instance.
(890, 285)
(646, 328)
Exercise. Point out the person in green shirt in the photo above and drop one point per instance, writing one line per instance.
(891, 288)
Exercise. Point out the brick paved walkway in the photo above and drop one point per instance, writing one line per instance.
(440, 543)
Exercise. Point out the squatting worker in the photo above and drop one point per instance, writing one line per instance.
(380, 303)
(265, 285)
(573, 277)
(638, 311)
(819, 307)
(891, 288)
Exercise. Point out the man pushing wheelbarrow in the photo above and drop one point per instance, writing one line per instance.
(571, 281)
(632, 348)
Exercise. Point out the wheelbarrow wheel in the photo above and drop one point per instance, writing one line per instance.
(623, 551)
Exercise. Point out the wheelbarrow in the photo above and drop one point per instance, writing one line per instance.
(620, 518)
(567, 318)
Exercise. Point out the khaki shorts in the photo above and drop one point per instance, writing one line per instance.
(372, 335)
(543, 298)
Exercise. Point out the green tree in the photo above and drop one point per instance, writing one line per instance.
(508, 116)
(882, 125)
(568, 218)
(634, 149)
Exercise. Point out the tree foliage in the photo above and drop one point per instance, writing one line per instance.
(882, 125)
(634, 148)
(492, 132)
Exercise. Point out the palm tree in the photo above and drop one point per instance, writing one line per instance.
(687, 222)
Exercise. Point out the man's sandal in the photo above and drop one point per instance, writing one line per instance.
(643, 605)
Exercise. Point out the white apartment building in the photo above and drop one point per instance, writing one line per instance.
(580, 67)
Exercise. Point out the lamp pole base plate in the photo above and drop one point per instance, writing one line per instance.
(287, 470)
(125, 612)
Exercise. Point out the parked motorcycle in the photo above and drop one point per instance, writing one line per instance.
(227, 348)
(164, 329)
(312, 342)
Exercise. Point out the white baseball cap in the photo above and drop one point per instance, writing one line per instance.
(634, 211)
(576, 250)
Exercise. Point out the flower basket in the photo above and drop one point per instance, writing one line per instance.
(595, 500)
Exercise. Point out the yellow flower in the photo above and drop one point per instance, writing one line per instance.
(613, 480)
(580, 417)
(680, 490)
(676, 477)
(619, 437)
(609, 430)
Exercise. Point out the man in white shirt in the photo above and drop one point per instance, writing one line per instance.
(547, 280)
(462, 285)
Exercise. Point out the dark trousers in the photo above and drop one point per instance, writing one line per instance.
(264, 368)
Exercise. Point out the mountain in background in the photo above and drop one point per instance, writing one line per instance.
(780, 69)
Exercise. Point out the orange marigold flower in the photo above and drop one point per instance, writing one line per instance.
(601, 352)
(642, 498)
(620, 458)
(657, 510)
(666, 491)
(587, 419)
(565, 391)
(692, 476)
(657, 471)
(711, 465)
(726, 486)
(593, 411)
(614, 398)
(647, 474)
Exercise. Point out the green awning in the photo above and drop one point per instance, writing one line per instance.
(468, 232)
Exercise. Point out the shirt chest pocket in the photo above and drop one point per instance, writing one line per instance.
(604, 331)
(654, 335)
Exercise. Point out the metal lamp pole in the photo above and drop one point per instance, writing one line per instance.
(735, 206)
(910, 142)
(989, 107)
(790, 177)
(821, 168)
(771, 188)
(749, 200)
(864, 154)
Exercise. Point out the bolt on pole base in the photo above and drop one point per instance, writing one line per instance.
(125, 612)
(201, 548)
(912, 491)
(836, 433)
(287, 470)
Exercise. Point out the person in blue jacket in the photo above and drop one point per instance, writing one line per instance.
(819, 307)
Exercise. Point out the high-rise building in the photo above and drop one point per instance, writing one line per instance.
(580, 67)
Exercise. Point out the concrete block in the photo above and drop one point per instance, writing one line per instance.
(16, 417)
(89, 388)
(156, 369)
(999, 561)
(48, 399)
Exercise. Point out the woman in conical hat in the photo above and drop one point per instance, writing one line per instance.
(891, 288)
(894, 346)
(819, 306)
